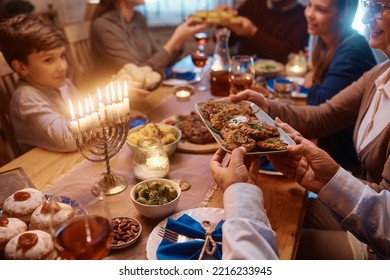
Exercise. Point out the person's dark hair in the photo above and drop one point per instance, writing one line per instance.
(323, 54)
(24, 34)
(103, 7)
(12, 8)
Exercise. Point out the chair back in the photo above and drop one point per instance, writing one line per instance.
(9, 148)
(81, 62)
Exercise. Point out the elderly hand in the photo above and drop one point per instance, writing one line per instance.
(253, 96)
(237, 170)
(305, 163)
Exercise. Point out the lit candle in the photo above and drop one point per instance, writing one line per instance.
(82, 124)
(101, 107)
(109, 113)
(183, 94)
(88, 118)
(126, 98)
(157, 161)
(121, 104)
(74, 126)
(94, 114)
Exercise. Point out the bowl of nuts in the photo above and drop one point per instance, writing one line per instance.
(156, 198)
(126, 231)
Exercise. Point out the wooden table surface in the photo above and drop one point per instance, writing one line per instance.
(285, 201)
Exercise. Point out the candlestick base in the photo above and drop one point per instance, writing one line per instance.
(110, 184)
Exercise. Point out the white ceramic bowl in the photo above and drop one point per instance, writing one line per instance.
(156, 211)
(169, 148)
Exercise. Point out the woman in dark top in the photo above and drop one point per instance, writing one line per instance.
(339, 57)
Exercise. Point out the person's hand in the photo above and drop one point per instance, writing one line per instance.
(237, 170)
(253, 96)
(246, 28)
(182, 33)
(305, 163)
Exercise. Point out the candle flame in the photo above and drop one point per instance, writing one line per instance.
(125, 90)
(119, 92)
(91, 103)
(99, 95)
(71, 109)
(80, 110)
(112, 92)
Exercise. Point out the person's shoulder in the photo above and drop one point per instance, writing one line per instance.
(110, 17)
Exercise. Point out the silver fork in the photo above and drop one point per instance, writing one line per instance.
(175, 237)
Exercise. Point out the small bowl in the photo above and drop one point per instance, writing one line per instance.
(124, 233)
(156, 211)
(169, 148)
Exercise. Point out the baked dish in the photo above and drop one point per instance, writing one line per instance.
(243, 124)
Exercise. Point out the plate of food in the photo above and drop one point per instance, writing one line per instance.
(126, 231)
(196, 137)
(214, 215)
(303, 91)
(268, 67)
(216, 17)
(243, 124)
(79, 209)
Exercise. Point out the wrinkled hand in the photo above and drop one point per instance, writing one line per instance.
(253, 96)
(305, 163)
(240, 169)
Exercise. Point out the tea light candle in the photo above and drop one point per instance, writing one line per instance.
(183, 93)
(157, 161)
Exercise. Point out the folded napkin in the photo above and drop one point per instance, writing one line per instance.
(266, 164)
(170, 74)
(187, 250)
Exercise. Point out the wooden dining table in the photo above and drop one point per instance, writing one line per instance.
(72, 175)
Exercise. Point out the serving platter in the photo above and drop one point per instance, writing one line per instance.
(261, 116)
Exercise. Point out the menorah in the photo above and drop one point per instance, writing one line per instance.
(100, 135)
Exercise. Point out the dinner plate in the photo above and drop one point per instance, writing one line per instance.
(268, 67)
(298, 80)
(189, 147)
(214, 215)
(260, 114)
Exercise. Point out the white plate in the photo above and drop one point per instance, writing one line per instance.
(214, 215)
(175, 82)
(79, 209)
(268, 67)
(261, 115)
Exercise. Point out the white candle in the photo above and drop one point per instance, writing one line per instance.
(109, 113)
(82, 124)
(101, 107)
(126, 98)
(88, 118)
(94, 114)
(74, 126)
(183, 94)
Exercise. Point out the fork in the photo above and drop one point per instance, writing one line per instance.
(175, 237)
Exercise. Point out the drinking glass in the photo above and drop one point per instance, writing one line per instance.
(241, 73)
(199, 58)
(283, 88)
(86, 237)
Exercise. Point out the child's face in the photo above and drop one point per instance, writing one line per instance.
(46, 69)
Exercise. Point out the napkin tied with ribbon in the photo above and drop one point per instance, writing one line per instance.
(190, 227)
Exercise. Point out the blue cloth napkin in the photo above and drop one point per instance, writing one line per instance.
(188, 76)
(265, 164)
(187, 250)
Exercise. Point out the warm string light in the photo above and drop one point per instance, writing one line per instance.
(115, 109)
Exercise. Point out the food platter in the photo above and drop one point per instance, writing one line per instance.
(261, 116)
(268, 67)
(188, 147)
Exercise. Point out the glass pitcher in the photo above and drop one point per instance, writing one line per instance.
(150, 159)
(219, 68)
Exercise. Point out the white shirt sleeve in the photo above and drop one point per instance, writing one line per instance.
(362, 211)
(247, 233)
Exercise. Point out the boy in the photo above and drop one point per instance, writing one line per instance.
(39, 107)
